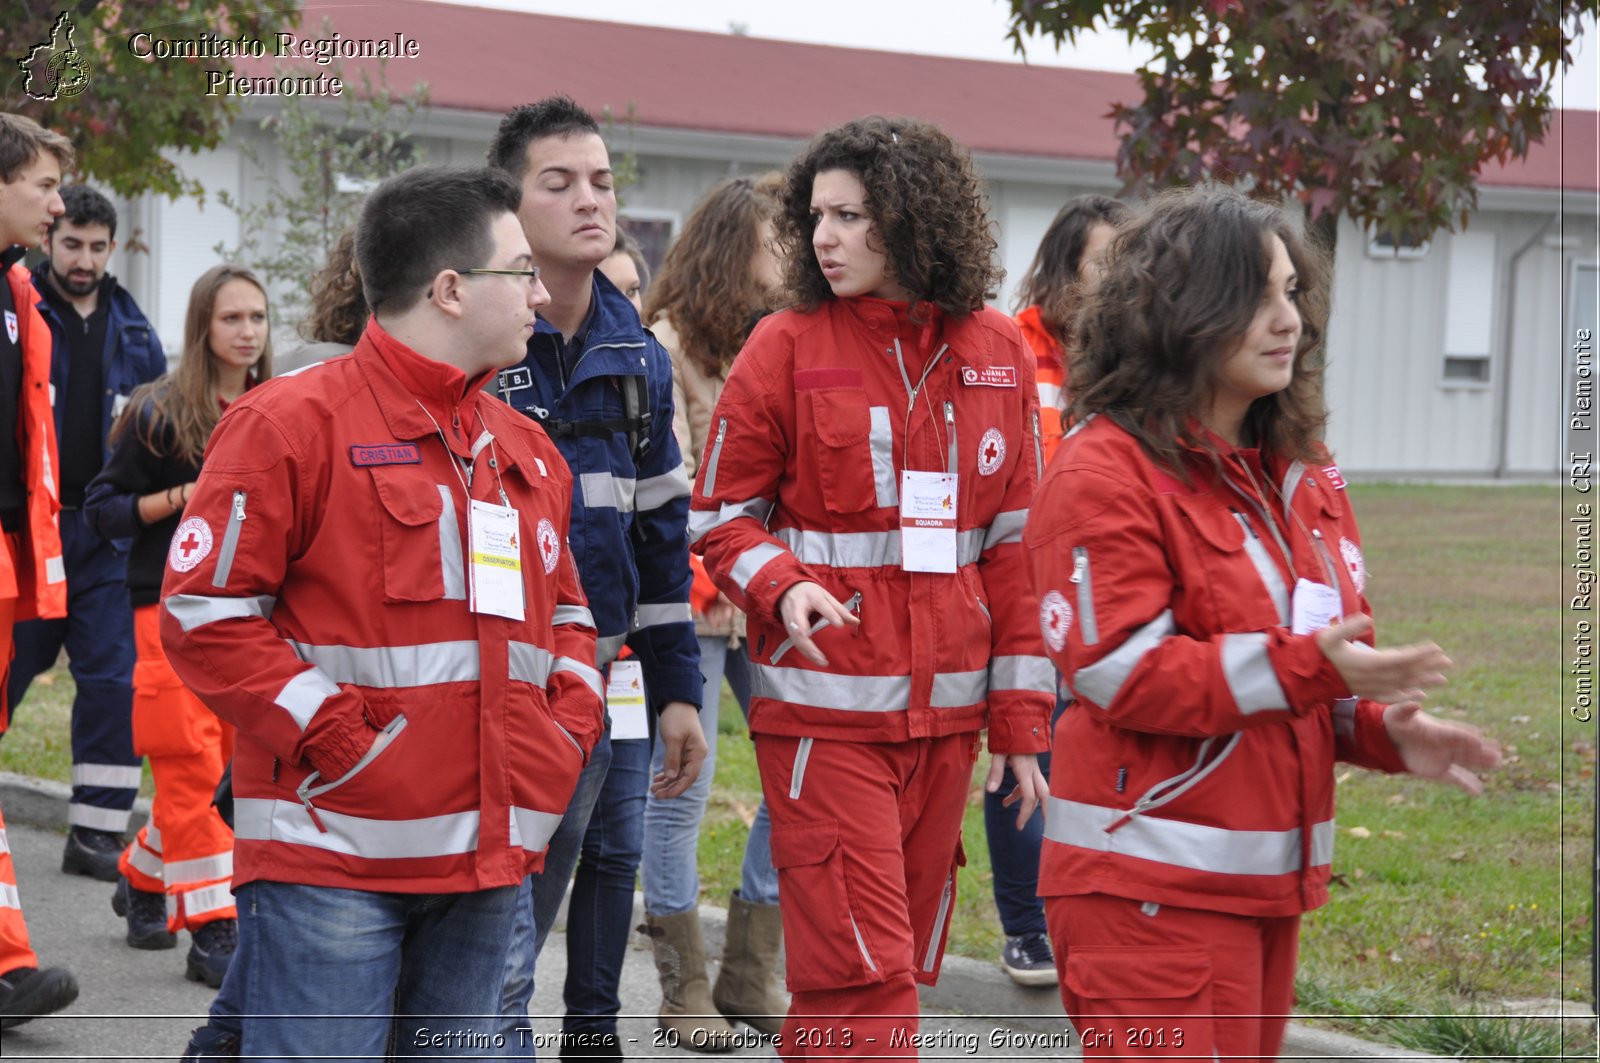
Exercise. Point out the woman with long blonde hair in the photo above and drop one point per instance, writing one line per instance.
(176, 873)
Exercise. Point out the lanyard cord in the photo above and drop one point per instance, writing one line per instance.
(457, 462)
(912, 393)
(1266, 507)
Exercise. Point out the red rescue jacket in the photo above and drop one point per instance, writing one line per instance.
(1196, 767)
(317, 598)
(801, 481)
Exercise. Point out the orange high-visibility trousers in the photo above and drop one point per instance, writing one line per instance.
(186, 850)
(15, 950)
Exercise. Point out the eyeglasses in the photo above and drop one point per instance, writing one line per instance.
(532, 273)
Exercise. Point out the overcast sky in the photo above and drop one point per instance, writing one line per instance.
(972, 29)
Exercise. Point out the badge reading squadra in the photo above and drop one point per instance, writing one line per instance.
(1055, 619)
(991, 452)
(1355, 563)
(549, 545)
(190, 544)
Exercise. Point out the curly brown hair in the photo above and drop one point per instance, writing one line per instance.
(1179, 288)
(339, 309)
(928, 208)
(706, 286)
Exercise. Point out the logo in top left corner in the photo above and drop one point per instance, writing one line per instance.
(55, 69)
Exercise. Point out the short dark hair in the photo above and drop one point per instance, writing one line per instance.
(425, 220)
(22, 140)
(928, 209)
(553, 116)
(1180, 287)
(86, 206)
(1055, 265)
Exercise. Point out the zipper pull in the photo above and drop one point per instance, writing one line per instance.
(1080, 568)
(950, 426)
(302, 792)
(238, 506)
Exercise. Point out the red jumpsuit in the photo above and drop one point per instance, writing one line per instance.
(866, 763)
(33, 579)
(1191, 812)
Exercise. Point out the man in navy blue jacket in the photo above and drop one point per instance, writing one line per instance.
(602, 387)
(102, 348)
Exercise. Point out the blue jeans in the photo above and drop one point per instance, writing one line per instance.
(1014, 854)
(336, 973)
(602, 834)
(672, 828)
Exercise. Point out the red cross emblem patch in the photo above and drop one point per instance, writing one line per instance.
(549, 545)
(190, 544)
(1055, 620)
(991, 452)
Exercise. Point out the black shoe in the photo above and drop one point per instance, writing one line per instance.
(93, 853)
(211, 950)
(27, 993)
(146, 914)
(586, 1044)
(1028, 960)
(208, 1044)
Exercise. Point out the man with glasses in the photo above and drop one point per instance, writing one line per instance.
(602, 387)
(386, 547)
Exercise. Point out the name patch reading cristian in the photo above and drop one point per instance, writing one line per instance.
(990, 376)
(363, 454)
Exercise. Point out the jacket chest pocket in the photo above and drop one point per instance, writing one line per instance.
(848, 466)
(421, 536)
(1232, 577)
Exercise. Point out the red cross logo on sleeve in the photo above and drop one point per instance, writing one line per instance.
(190, 544)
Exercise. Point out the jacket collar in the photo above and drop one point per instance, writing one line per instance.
(410, 387)
(887, 320)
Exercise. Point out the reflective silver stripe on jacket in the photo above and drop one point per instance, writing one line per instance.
(1248, 669)
(1088, 626)
(590, 676)
(704, 520)
(601, 490)
(1291, 481)
(1102, 681)
(197, 610)
(866, 549)
(452, 560)
(230, 541)
(655, 491)
(572, 614)
(665, 613)
(395, 666)
(752, 561)
(606, 648)
(864, 693)
(1006, 528)
(262, 819)
(532, 829)
(1271, 578)
(302, 696)
(528, 663)
(1034, 674)
(1180, 844)
(882, 442)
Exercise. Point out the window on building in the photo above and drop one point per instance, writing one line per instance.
(652, 232)
(1387, 245)
(1469, 311)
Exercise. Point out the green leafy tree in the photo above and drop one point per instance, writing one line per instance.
(330, 153)
(120, 110)
(1385, 110)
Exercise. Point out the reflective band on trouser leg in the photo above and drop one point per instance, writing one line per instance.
(193, 836)
(141, 861)
(15, 951)
(1188, 845)
(201, 905)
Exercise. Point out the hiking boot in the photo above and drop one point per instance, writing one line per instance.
(210, 1044)
(747, 985)
(27, 993)
(93, 853)
(1028, 960)
(146, 914)
(211, 950)
(687, 1013)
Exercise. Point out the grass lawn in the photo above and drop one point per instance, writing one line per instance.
(1441, 902)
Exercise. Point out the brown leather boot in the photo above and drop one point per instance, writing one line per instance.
(686, 1007)
(747, 989)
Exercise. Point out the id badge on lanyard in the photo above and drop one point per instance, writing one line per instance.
(625, 701)
(496, 571)
(928, 521)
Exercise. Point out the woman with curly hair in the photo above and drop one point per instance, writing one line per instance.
(176, 873)
(720, 277)
(339, 310)
(861, 498)
(1202, 593)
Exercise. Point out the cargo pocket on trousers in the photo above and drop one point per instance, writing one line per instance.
(1141, 1002)
(167, 720)
(827, 949)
